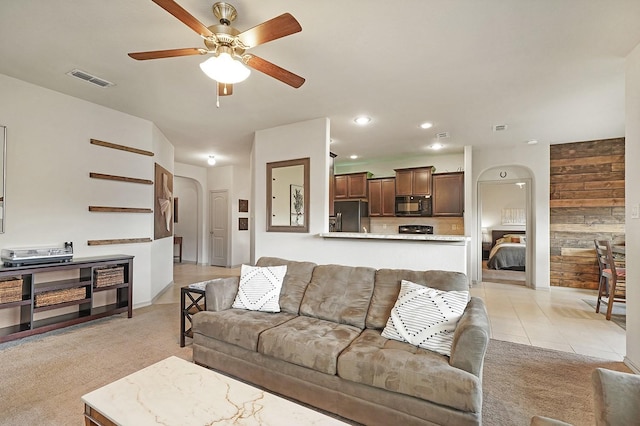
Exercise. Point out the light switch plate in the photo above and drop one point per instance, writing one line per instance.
(635, 211)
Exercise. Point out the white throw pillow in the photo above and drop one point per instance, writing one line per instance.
(259, 288)
(426, 317)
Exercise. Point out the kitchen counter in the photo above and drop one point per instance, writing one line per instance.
(406, 237)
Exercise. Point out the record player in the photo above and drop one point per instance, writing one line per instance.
(34, 256)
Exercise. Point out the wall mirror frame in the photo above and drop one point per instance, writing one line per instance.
(288, 196)
(3, 176)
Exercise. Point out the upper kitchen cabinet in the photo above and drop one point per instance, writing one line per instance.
(448, 194)
(414, 181)
(382, 194)
(351, 185)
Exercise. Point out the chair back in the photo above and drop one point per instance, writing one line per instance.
(605, 257)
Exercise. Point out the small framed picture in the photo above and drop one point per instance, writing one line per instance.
(243, 206)
(243, 224)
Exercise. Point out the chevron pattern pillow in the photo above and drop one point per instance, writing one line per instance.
(259, 288)
(426, 317)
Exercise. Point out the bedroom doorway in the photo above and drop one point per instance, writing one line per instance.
(505, 218)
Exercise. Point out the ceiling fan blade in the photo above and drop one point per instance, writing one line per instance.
(272, 29)
(176, 10)
(225, 89)
(273, 70)
(158, 54)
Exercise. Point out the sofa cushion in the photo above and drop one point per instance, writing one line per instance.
(387, 288)
(295, 282)
(237, 326)
(339, 293)
(403, 368)
(426, 317)
(310, 342)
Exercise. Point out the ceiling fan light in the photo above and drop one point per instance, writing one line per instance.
(224, 69)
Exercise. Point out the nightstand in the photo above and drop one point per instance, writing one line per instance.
(196, 302)
(486, 248)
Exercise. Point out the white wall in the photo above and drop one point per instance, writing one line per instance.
(49, 158)
(186, 192)
(632, 199)
(534, 158)
(499, 196)
(198, 176)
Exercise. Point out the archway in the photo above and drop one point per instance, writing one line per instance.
(505, 207)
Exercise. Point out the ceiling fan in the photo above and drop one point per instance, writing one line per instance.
(229, 46)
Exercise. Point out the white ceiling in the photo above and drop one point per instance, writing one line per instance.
(552, 70)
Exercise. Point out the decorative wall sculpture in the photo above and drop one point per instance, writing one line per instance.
(163, 201)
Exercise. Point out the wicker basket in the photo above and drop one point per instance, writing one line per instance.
(10, 290)
(55, 297)
(106, 277)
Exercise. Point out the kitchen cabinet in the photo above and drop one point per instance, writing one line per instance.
(414, 181)
(448, 194)
(351, 185)
(382, 194)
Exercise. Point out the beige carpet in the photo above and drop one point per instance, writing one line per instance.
(43, 377)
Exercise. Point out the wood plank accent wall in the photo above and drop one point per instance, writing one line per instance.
(586, 202)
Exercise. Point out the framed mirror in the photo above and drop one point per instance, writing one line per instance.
(3, 172)
(288, 196)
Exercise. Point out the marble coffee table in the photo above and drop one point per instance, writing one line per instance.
(178, 392)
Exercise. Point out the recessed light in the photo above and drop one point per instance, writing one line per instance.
(437, 146)
(353, 157)
(211, 160)
(426, 125)
(362, 120)
(532, 142)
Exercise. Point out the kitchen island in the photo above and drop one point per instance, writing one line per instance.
(407, 237)
(408, 251)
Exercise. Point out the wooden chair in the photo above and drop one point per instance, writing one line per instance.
(612, 285)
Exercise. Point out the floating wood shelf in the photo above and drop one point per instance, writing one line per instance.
(121, 147)
(118, 241)
(120, 178)
(105, 209)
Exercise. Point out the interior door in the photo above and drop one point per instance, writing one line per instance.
(218, 228)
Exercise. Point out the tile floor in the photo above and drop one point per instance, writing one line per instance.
(556, 319)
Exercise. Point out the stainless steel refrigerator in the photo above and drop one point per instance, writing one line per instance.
(351, 216)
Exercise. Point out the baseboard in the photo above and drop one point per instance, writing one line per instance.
(631, 365)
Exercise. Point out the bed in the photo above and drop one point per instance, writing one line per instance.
(508, 250)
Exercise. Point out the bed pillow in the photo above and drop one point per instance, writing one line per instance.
(500, 241)
(515, 240)
(426, 317)
(523, 240)
(259, 288)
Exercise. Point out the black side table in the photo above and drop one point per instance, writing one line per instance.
(196, 302)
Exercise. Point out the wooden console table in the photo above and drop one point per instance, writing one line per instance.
(51, 296)
(178, 241)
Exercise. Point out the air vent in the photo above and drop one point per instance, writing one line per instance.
(499, 127)
(83, 75)
(442, 135)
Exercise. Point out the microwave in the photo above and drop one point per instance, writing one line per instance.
(413, 205)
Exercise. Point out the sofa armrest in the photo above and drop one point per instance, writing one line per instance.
(221, 293)
(471, 338)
